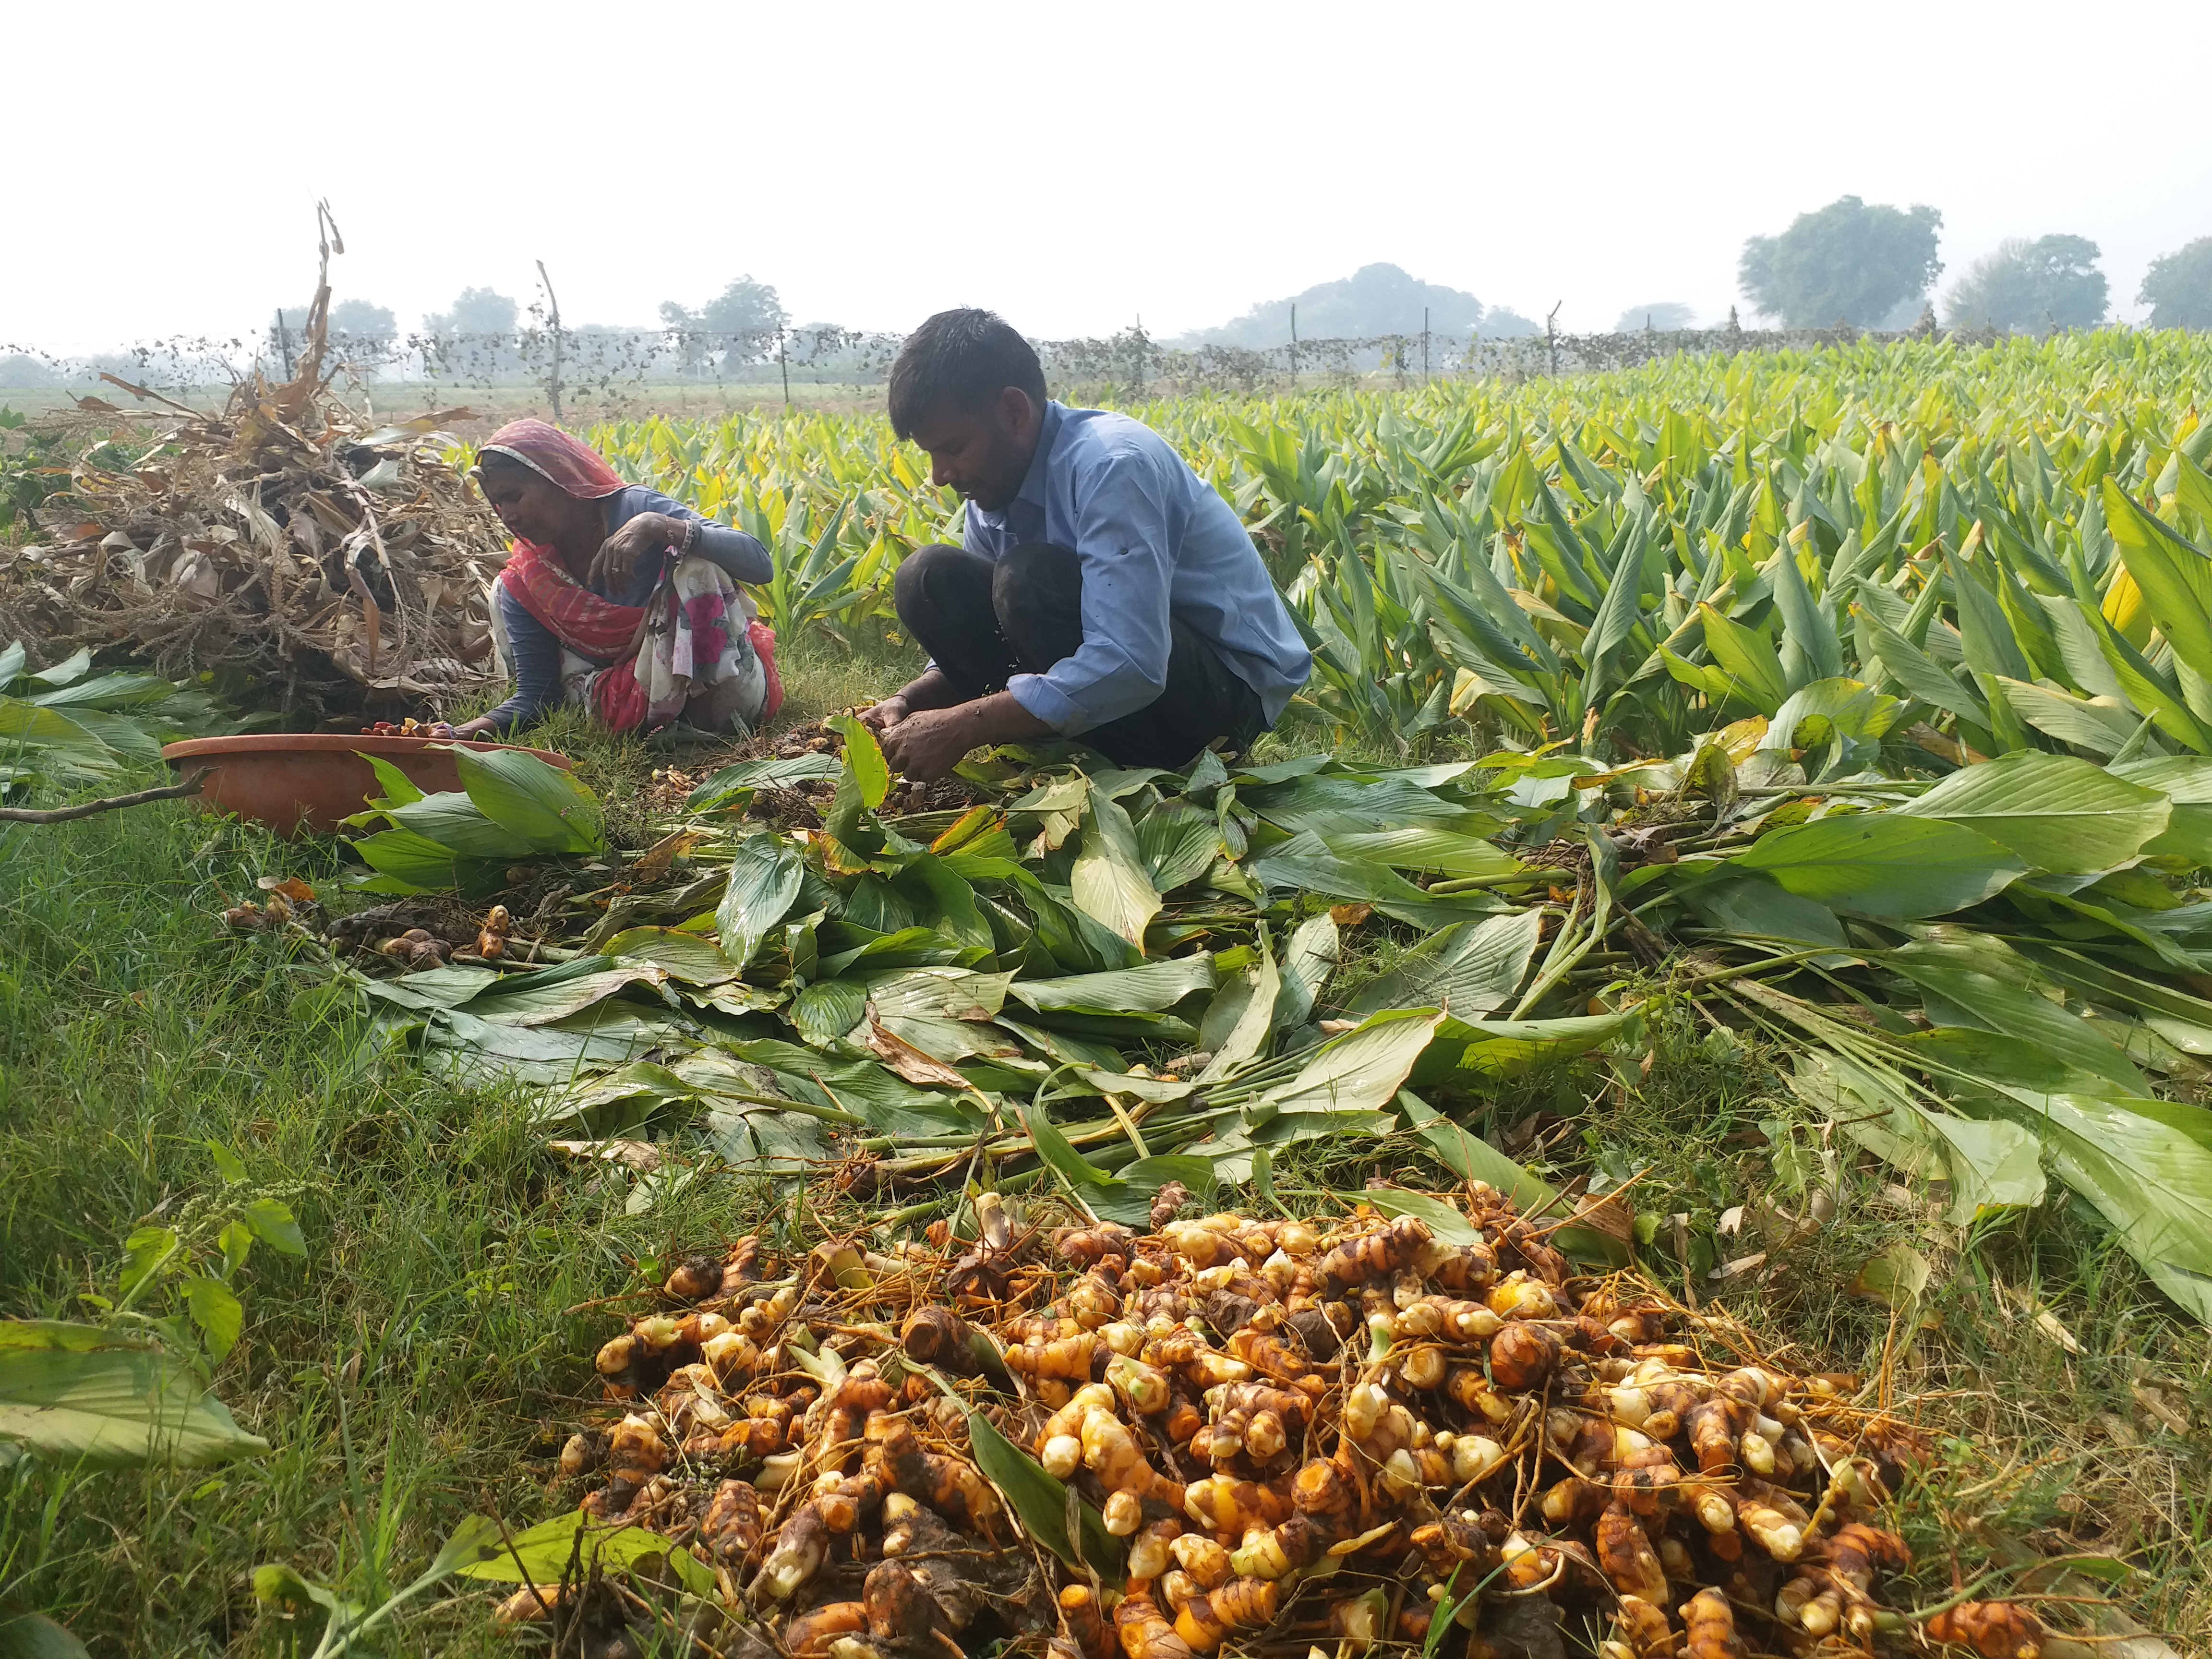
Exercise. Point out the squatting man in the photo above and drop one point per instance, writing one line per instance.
(1103, 590)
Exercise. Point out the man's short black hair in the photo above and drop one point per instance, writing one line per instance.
(964, 358)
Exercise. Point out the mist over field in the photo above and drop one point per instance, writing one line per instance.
(1191, 167)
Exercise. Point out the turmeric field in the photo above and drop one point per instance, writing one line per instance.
(1662, 1113)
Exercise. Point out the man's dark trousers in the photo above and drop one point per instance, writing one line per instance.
(983, 621)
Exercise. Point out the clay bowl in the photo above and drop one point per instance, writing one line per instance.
(300, 783)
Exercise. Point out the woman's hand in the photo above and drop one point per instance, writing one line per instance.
(616, 564)
(468, 730)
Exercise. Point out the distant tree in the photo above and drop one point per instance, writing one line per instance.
(690, 335)
(368, 333)
(475, 335)
(744, 315)
(21, 371)
(1848, 261)
(745, 306)
(1499, 323)
(363, 320)
(2028, 285)
(1667, 314)
(476, 311)
(2177, 287)
(1374, 300)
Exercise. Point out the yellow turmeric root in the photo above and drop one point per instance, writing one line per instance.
(1144, 1632)
(1626, 1556)
(1709, 1622)
(1208, 1621)
(809, 1635)
(1995, 1629)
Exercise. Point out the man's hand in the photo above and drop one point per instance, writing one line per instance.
(929, 745)
(644, 537)
(930, 690)
(926, 745)
(884, 715)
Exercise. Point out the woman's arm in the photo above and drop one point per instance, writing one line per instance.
(536, 662)
(737, 553)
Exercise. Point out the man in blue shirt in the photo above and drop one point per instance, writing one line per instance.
(1106, 592)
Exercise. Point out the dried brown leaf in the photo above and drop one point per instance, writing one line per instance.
(908, 1062)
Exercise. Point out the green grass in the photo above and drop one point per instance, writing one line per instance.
(409, 1371)
(421, 1362)
(401, 1372)
(2037, 1443)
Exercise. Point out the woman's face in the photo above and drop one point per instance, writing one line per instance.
(532, 509)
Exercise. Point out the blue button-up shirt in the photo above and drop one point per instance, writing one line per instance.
(1155, 540)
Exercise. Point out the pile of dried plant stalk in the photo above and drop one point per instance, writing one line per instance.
(308, 555)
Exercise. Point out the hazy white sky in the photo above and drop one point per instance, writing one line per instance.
(1072, 167)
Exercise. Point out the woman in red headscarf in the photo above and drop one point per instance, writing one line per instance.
(618, 598)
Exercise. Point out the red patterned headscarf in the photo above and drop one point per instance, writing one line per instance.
(570, 464)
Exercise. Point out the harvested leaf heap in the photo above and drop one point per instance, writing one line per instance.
(1117, 978)
(1408, 1424)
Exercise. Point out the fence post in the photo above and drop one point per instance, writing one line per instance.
(1140, 353)
(1551, 338)
(284, 344)
(1424, 345)
(553, 302)
(783, 357)
(1294, 345)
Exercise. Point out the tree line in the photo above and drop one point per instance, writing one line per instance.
(1871, 266)
(1861, 265)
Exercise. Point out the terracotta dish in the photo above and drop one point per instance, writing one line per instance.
(304, 782)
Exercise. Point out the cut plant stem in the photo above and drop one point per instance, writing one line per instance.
(805, 1108)
(1533, 876)
(1013, 1183)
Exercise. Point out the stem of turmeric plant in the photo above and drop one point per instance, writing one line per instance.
(149, 1276)
(919, 1211)
(1746, 969)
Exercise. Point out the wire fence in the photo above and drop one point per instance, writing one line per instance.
(619, 369)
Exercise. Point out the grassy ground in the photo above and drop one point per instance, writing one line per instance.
(418, 1365)
(404, 1370)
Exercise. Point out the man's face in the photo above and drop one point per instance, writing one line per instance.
(984, 453)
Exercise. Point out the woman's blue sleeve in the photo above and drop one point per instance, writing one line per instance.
(536, 664)
(740, 555)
